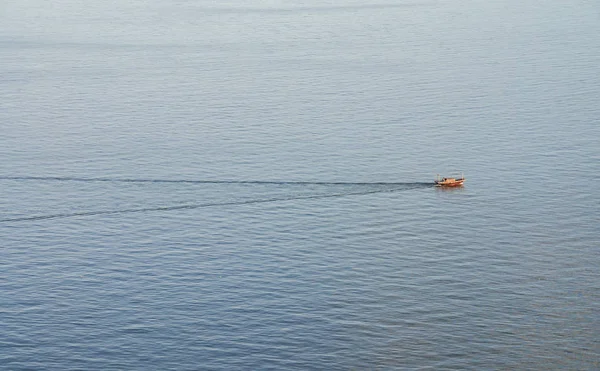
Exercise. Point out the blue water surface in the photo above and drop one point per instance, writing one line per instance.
(195, 185)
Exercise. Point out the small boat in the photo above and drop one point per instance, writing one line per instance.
(453, 181)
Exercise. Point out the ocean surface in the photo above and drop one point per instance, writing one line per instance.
(247, 185)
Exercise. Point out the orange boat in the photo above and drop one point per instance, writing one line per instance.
(454, 181)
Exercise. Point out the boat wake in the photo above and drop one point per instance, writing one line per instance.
(191, 181)
(387, 187)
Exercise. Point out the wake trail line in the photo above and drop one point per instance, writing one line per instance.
(191, 181)
(193, 206)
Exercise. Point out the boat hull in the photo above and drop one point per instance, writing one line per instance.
(449, 183)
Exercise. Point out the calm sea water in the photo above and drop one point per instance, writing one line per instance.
(247, 185)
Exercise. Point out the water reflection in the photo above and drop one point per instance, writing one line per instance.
(450, 189)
